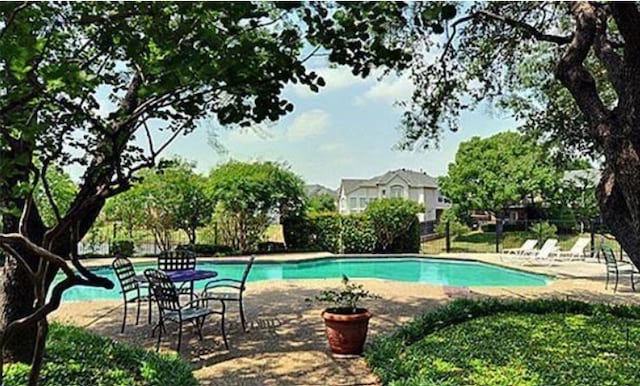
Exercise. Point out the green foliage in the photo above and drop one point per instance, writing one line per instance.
(345, 299)
(297, 231)
(497, 342)
(564, 218)
(75, 357)
(358, 234)
(321, 203)
(392, 218)
(496, 172)
(544, 230)
(456, 227)
(125, 248)
(326, 232)
(247, 193)
(63, 191)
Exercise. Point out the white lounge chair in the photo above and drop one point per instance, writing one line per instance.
(526, 249)
(546, 252)
(577, 251)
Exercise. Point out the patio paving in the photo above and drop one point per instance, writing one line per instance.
(286, 344)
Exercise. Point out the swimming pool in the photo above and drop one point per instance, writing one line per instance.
(458, 273)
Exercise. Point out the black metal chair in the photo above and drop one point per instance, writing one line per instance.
(615, 268)
(234, 290)
(178, 260)
(131, 289)
(167, 297)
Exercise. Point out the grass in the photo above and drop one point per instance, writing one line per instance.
(528, 343)
(75, 357)
(485, 242)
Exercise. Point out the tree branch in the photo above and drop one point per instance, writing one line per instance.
(527, 28)
(12, 16)
(571, 70)
(627, 19)
(605, 52)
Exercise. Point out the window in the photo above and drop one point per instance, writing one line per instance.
(363, 202)
(397, 191)
(353, 202)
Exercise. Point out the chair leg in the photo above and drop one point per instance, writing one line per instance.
(606, 283)
(179, 336)
(159, 335)
(242, 319)
(199, 325)
(124, 317)
(149, 305)
(615, 287)
(222, 329)
(138, 311)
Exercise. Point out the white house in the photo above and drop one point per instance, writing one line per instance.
(355, 194)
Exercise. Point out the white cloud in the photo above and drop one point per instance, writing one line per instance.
(333, 148)
(335, 78)
(308, 124)
(388, 90)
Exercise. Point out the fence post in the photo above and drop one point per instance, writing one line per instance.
(498, 234)
(593, 238)
(448, 237)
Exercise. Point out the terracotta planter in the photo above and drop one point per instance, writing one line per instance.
(346, 332)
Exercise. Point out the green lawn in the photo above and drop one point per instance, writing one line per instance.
(540, 345)
(75, 357)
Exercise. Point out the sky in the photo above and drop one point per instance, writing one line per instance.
(347, 130)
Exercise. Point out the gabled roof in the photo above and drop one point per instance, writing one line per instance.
(316, 190)
(413, 179)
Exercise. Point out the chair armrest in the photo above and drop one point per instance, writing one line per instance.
(206, 288)
(221, 283)
(200, 302)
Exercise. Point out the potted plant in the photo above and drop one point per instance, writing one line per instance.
(346, 323)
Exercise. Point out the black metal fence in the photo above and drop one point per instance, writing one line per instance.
(495, 236)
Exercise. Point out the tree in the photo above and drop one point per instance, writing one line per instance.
(578, 61)
(165, 66)
(392, 218)
(249, 193)
(321, 203)
(61, 189)
(499, 171)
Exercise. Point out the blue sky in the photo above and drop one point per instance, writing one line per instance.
(347, 130)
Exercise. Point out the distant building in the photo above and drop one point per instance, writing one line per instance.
(355, 194)
(318, 190)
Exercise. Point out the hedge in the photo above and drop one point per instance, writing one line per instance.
(451, 344)
(75, 357)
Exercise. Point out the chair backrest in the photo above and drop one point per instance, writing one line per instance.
(579, 246)
(247, 270)
(164, 291)
(548, 247)
(609, 257)
(125, 273)
(529, 244)
(176, 260)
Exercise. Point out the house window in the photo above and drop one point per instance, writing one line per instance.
(397, 191)
(363, 202)
(353, 202)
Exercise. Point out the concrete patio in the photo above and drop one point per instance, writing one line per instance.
(286, 344)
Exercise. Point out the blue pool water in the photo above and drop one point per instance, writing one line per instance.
(433, 271)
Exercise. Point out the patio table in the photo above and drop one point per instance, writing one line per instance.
(183, 276)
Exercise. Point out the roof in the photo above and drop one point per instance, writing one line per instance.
(413, 179)
(317, 190)
(582, 177)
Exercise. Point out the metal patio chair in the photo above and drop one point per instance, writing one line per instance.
(131, 289)
(232, 290)
(179, 260)
(616, 268)
(170, 310)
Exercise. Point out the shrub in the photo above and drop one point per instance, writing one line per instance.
(564, 218)
(326, 231)
(75, 357)
(456, 228)
(270, 246)
(358, 235)
(461, 332)
(297, 231)
(391, 218)
(544, 230)
(122, 247)
(409, 241)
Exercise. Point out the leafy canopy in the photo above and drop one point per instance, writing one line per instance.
(496, 172)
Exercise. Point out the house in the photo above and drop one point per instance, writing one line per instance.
(355, 194)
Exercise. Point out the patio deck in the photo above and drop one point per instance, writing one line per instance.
(286, 343)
